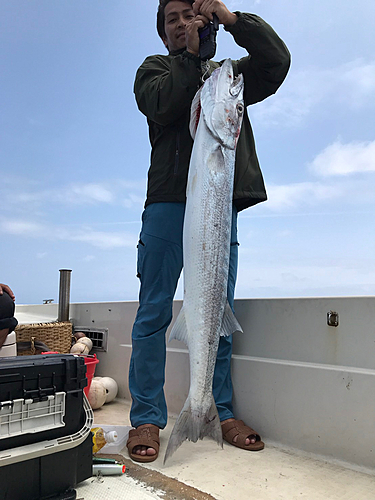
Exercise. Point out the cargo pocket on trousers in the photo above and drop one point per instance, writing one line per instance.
(140, 258)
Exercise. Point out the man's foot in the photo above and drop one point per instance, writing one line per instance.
(250, 439)
(143, 443)
(238, 434)
(143, 450)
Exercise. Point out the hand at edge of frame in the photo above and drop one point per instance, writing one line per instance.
(8, 290)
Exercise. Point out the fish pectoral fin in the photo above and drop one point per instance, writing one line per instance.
(179, 330)
(230, 324)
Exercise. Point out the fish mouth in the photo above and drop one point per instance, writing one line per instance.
(237, 86)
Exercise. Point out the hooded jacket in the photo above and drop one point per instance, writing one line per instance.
(164, 89)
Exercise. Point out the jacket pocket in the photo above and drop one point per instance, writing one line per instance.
(140, 257)
(177, 154)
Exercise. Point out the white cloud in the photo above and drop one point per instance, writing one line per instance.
(303, 280)
(30, 195)
(344, 159)
(307, 90)
(90, 193)
(132, 200)
(76, 193)
(20, 227)
(100, 239)
(139, 185)
(337, 166)
(235, 4)
(88, 258)
(322, 196)
(360, 77)
(284, 197)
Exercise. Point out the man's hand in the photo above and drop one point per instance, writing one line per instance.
(209, 7)
(6, 288)
(203, 10)
(191, 33)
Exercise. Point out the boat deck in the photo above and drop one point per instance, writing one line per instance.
(204, 471)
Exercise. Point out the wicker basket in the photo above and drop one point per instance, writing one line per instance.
(56, 336)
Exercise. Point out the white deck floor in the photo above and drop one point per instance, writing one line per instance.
(228, 474)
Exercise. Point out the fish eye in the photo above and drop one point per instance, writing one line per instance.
(240, 108)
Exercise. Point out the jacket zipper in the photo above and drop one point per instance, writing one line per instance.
(177, 155)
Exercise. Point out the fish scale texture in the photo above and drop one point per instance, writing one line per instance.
(206, 249)
(206, 244)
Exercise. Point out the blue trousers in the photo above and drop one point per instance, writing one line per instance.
(159, 265)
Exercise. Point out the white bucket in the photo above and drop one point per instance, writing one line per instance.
(9, 347)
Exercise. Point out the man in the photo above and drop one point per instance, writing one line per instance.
(7, 322)
(164, 88)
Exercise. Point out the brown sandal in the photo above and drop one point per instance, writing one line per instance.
(144, 435)
(235, 428)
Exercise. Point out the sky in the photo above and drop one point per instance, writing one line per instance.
(74, 150)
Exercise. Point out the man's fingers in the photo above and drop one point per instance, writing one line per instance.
(196, 6)
(7, 289)
(192, 37)
(208, 7)
(205, 7)
(198, 22)
(195, 24)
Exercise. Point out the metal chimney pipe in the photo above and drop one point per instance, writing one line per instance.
(64, 295)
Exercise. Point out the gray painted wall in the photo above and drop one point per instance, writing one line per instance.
(299, 382)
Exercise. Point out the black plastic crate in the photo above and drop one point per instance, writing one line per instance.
(49, 476)
(41, 398)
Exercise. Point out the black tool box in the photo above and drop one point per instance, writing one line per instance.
(40, 398)
(45, 427)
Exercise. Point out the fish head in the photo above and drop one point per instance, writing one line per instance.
(223, 105)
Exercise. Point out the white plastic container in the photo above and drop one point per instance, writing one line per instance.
(120, 443)
(9, 347)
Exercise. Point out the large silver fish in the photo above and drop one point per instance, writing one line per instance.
(216, 118)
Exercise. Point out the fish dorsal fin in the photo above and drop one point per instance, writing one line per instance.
(179, 330)
(195, 113)
(230, 324)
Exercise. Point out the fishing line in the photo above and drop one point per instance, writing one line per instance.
(205, 71)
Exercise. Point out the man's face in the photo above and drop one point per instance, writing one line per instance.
(176, 14)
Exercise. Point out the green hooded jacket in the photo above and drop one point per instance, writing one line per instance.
(164, 89)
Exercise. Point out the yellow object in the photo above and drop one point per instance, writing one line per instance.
(98, 439)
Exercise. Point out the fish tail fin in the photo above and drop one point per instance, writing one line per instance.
(192, 426)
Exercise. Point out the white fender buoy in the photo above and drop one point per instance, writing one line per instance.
(79, 348)
(97, 394)
(111, 388)
(85, 341)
